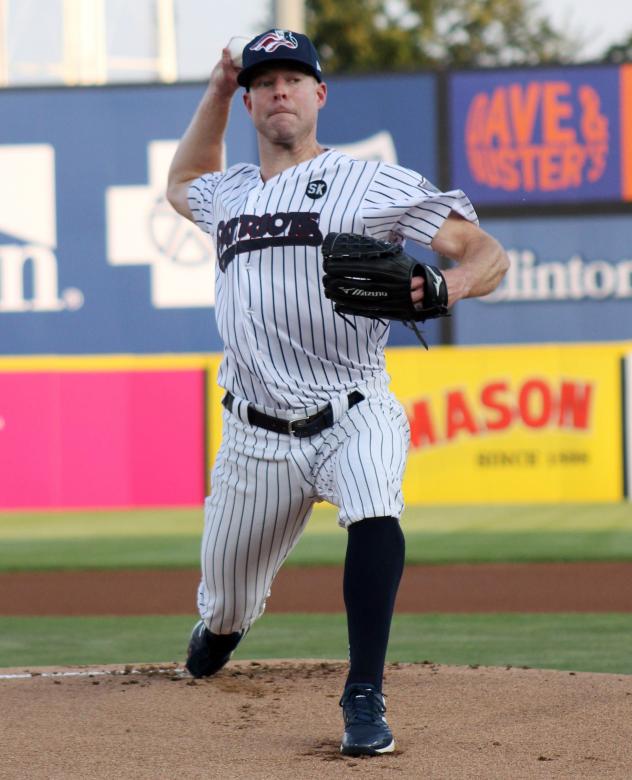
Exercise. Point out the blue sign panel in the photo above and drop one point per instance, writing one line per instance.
(403, 107)
(92, 257)
(570, 280)
(522, 136)
(395, 119)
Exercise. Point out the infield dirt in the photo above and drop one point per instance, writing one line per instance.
(496, 587)
(262, 721)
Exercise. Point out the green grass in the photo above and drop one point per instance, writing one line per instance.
(312, 550)
(130, 552)
(99, 523)
(170, 537)
(578, 642)
(188, 520)
(436, 548)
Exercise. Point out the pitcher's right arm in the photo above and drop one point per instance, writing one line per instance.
(200, 149)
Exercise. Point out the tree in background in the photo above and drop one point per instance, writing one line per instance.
(619, 52)
(357, 36)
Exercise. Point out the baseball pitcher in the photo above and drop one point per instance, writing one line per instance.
(311, 269)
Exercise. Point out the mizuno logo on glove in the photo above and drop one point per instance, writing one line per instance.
(437, 280)
(368, 277)
(366, 293)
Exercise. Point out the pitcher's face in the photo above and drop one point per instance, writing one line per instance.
(284, 104)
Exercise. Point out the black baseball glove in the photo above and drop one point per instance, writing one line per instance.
(371, 278)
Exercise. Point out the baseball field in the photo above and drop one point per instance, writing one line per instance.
(510, 654)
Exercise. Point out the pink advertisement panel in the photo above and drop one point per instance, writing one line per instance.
(102, 439)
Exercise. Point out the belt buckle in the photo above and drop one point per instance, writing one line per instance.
(294, 426)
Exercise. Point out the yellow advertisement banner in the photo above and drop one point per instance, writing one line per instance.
(214, 411)
(536, 423)
(519, 424)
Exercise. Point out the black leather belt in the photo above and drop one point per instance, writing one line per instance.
(305, 426)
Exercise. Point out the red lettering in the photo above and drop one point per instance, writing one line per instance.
(508, 175)
(537, 167)
(572, 165)
(497, 132)
(594, 124)
(524, 107)
(458, 415)
(555, 109)
(475, 122)
(535, 402)
(422, 430)
(492, 167)
(534, 137)
(491, 399)
(551, 170)
(575, 403)
(529, 155)
(477, 165)
(598, 154)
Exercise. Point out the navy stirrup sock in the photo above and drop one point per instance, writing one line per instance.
(373, 569)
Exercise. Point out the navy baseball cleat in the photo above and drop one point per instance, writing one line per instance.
(208, 652)
(366, 730)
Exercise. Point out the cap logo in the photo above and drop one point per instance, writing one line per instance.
(273, 40)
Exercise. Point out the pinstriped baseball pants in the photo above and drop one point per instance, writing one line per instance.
(264, 486)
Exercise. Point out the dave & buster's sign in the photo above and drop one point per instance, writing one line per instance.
(554, 135)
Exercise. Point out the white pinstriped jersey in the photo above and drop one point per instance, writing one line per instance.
(285, 348)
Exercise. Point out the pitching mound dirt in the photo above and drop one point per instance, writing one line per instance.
(273, 720)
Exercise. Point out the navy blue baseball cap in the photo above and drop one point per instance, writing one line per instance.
(278, 47)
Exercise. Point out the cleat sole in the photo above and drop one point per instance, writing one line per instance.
(362, 750)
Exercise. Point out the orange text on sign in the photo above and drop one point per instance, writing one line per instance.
(538, 136)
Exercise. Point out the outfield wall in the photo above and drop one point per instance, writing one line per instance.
(516, 424)
(95, 264)
(93, 260)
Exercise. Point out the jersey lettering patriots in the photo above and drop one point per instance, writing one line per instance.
(250, 232)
